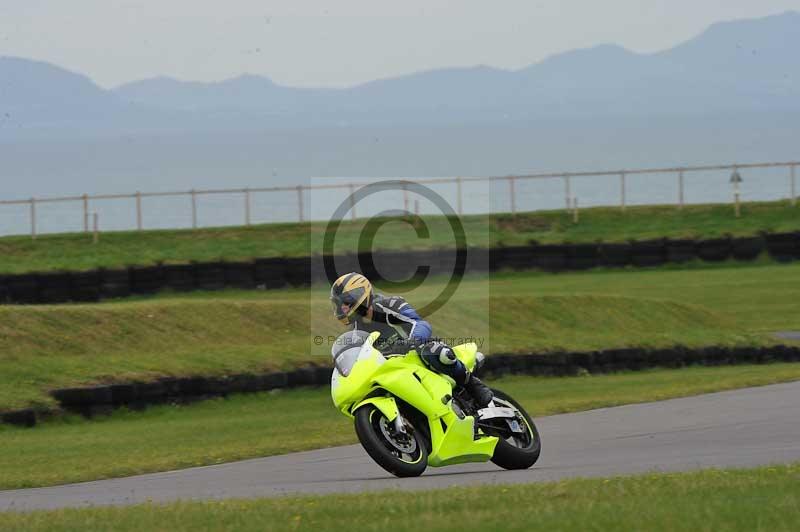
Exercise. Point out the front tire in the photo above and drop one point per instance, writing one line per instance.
(399, 454)
(517, 452)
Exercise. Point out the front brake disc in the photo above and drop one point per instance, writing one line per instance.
(402, 442)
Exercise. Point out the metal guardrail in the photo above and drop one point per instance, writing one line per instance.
(246, 193)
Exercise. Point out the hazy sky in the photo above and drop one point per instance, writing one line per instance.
(339, 42)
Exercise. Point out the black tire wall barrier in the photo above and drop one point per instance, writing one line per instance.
(96, 400)
(280, 272)
(783, 247)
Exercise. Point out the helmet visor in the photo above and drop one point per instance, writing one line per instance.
(341, 309)
(345, 305)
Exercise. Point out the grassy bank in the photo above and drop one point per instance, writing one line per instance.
(76, 251)
(247, 426)
(47, 347)
(759, 297)
(756, 298)
(218, 333)
(766, 498)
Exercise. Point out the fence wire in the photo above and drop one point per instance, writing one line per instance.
(317, 198)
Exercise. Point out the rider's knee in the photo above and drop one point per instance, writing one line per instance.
(441, 358)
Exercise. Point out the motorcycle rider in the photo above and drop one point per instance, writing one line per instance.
(356, 304)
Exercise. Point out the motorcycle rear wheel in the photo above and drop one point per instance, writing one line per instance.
(400, 455)
(516, 452)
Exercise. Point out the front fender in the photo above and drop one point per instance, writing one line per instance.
(387, 406)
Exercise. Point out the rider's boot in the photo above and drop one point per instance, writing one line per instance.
(479, 391)
(439, 356)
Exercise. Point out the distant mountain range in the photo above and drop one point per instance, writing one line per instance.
(743, 64)
(739, 66)
(730, 94)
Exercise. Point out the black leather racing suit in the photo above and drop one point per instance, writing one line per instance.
(402, 328)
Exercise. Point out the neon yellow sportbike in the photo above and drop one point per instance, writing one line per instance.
(408, 417)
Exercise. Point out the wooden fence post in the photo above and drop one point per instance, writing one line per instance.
(247, 220)
(85, 213)
(352, 191)
(622, 191)
(194, 209)
(680, 190)
(33, 218)
(300, 203)
(567, 190)
(138, 211)
(458, 199)
(512, 194)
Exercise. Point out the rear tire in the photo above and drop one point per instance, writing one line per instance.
(517, 455)
(400, 458)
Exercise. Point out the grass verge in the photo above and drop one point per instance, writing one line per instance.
(766, 498)
(77, 252)
(248, 426)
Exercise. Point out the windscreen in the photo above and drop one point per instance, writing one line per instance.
(345, 350)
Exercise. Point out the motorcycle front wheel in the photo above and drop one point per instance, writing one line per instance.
(401, 454)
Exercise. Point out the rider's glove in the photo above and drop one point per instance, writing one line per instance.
(443, 352)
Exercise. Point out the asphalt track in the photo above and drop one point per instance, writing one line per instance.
(741, 428)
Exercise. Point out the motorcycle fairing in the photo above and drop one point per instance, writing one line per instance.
(407, 378)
